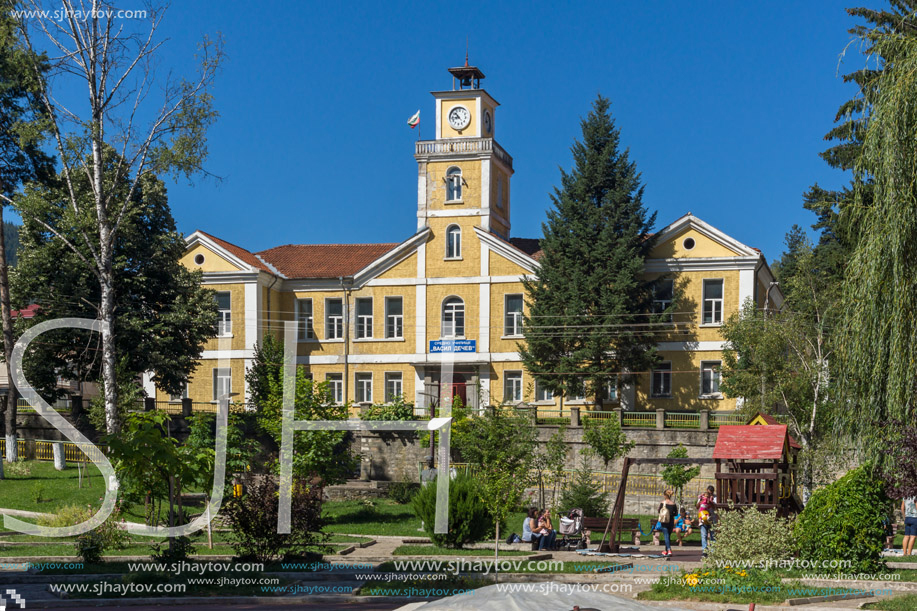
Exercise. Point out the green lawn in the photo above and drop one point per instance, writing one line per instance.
(432, 550)
(583, 568)
(907, 602)
(46, 490)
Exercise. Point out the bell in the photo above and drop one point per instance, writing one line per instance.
(466, 82)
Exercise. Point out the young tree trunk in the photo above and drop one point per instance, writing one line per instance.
(109, 370)
(496, 549)
(12, 451)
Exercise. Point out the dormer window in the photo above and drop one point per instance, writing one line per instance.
(454, 184)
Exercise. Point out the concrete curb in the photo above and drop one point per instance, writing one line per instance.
(212, 600)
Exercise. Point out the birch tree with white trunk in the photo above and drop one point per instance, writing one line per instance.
(153, 124)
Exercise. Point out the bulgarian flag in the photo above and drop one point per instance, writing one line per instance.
(415, 120)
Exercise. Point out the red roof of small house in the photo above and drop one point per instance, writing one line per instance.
(751, 442)
(323, 260)
(770, 420)
(27, 312)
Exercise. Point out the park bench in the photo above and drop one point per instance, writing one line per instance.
(631, 525)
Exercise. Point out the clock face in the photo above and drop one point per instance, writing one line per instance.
(488, 125)
(459, 117)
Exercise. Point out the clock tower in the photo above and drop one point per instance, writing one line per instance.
(463, 175)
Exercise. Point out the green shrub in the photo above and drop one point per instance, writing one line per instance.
(38, 492)
(469, 520)
(583, 492)
(751, 536)
(396, 410)
(844, 521)
(20, 468)
(68, 515)
(174, 550)
(402, 492)
(91, 545)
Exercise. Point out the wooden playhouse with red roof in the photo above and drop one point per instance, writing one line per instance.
(756, 465)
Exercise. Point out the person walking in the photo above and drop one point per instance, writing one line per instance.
(706, 516)
(666, 518)
(909, 509)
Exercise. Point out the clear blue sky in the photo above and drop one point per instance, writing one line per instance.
(722, 104)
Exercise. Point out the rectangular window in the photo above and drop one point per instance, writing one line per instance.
(611, 389)
(662, 380)
(222, 383)
(364, 317)
(364, 384)
(183, 395)
(512, 386)
(662, 298)
(393, 387)
(710, 377)
(713, 302)
(542, 393)
(224, 313)
(512, 323)
(334, 319)
(304, 319)
(336, 387)
(394, 318)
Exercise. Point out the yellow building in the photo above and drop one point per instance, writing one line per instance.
(374, 319)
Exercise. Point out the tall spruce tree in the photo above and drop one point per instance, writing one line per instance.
(589, 303)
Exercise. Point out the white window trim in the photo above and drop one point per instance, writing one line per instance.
(461, 185)
(442, 319)
(540, 401)
(519, 318)
(214, 376)
(653, 394)
(360, 377)
(301, 332)
(224, 327)
(400, 384)
(358, 319)
(449, 233)
(392, 338)
(339, 378)
(713, 395)
(327, 317)
(722, 301)
(506, 379)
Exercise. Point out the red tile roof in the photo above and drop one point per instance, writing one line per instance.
(530, 246)
(27, 312)
(323, 260)
(750, 442)
(239, 252)
(770, 420)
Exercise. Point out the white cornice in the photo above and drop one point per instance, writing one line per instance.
(230, 277)
(705, 229)
(392, 257)
(464, 94)
(199, 238)
(506, 250)
(701, 264)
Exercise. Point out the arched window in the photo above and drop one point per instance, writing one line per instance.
(453, 242)
(453, 317)
(454, 184)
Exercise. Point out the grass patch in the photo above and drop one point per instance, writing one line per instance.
(432, 550)
(453, 583)
(58, 488)
(907, 602)
(571, 567)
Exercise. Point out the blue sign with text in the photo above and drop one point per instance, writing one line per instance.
(453, 345)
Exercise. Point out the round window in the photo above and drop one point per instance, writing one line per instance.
(199, 259)
(688, 243)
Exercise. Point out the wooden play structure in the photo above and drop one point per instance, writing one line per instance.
(755, 465)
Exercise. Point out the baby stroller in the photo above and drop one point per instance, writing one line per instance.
(571, 529)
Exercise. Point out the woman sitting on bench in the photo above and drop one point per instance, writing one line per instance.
(532, 530)
(549, 535)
